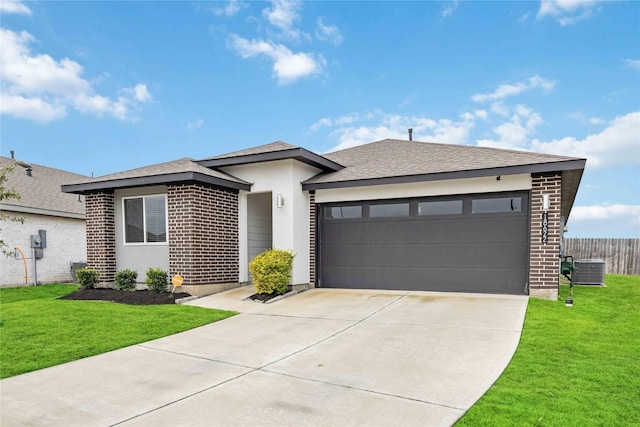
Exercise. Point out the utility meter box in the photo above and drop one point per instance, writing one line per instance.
(43, 238)
(36, 241)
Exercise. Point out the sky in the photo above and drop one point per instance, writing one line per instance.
(100, 87)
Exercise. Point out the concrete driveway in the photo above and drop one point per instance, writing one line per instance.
(323, 358)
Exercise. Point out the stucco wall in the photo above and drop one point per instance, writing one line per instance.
(66, 243)
(291, 221)
(138, 257)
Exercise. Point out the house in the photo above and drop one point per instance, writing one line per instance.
(42, 206)
(391, 214)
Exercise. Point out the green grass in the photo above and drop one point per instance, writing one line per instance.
(37, 330)
(574, 366)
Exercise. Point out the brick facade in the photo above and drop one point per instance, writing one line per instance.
(312, 238)
(545, 257)
(101, 234)
(203, 234)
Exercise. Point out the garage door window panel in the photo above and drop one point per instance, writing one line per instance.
(443, 207)
(496, 205)
(389, 210)
(343, 212)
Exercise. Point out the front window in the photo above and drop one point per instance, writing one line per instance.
(145, 219)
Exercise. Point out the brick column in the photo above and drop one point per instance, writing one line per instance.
(101, 234)
(312, 238)
(544, 269)
(203, 234)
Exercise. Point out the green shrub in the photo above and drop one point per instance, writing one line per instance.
(271, 271)
(157, 279)
(126, 280)
(87, 277)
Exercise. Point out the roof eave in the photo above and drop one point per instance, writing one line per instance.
(41, 211)
(154, 180)
(473, 173)
(299, 154)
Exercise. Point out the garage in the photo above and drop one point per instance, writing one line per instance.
(465, 243)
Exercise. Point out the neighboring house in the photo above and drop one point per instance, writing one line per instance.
(390, 214)
(42, 206)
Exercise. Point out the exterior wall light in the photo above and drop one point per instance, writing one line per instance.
(279, 201)
(545, 202)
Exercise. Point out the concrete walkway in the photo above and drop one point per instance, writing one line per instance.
(323, 358)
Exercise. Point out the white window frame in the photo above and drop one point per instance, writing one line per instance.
(144, 221)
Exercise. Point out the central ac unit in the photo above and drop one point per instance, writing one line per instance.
(589, 272)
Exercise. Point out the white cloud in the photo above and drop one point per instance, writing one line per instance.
(506, 90)
(34, 109)
(284, 14)
(449, 8)
(396, 126)
(328, 32)
(141, 93)
(515, 133)
(633, 63)
(37, 87)
(230, 9)
(595, 121)
(287, 66)
(524, 18)
(482, 114)
(600, 212)
(322, 123)
(500, 109)
(567, 12)
(617, 144)
(193, 125)
(14, 6)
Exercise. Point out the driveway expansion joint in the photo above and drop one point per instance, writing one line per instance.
(413, 399)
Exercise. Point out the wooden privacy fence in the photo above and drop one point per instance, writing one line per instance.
(622, 255)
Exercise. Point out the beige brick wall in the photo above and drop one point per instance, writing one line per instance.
(66, 243)
(545, 262)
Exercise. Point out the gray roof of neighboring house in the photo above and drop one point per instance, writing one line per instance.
(40, 193)
(269, 152)
(182, 170)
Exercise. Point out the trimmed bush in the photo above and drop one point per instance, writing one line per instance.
(87, 277)
(157, 279)
(271, 271)
(126, 280)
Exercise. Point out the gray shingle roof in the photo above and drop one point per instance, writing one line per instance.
(397, 158)
(41, 190)
(168, 168)
(261, 149)
(182, 170)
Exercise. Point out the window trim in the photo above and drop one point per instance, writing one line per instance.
(144, 220)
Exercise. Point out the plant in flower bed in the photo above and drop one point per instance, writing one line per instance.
(125, 280)
(157, 279)
(271, 273)
(87, 277)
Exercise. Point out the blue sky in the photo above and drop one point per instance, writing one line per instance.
(100, 87)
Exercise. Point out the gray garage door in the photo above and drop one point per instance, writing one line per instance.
(471, 243)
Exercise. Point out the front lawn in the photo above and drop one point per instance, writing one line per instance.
(37, 330)
(574, 366)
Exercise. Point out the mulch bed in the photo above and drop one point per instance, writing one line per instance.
(265, 297)
(125, 297)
